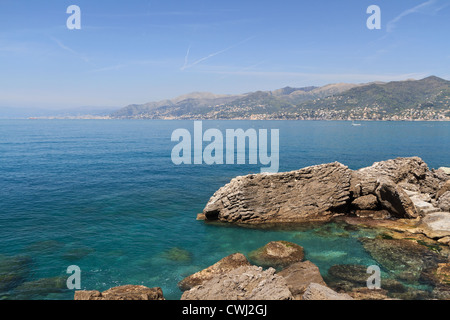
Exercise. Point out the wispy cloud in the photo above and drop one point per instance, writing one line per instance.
(70, 50)
(186, 58)
(187, 65)
(417, 9)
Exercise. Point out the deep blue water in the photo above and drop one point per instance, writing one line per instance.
(105, 195)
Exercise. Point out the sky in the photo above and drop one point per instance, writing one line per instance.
(132, 52)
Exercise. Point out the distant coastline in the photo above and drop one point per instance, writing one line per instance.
(229, 119)
(427, 99)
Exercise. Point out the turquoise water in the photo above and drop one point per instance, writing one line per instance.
(104, 195)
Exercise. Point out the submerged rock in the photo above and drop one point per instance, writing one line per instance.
(77, 253)
(243, 283)
(405, 259)
(13, 271)
(41, 287)
(46, 246)
(368, 294)
(128, 292)
(177, 255)
(439, 276)
(277, 254)
(225, 265)
(353, 275)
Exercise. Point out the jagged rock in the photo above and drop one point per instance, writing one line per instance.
(225, 265)
(277, 254)
(300, 275)
(243, 283)
(400, 170)
(395, 200)
(317, 291)
(444, 201)
(410, 174)
(424, 204)
(313, 193)
(368, 202)
(128, 292)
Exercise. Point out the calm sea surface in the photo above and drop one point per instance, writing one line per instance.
(105, 196)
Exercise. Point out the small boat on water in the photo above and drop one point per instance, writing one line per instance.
(356, 124)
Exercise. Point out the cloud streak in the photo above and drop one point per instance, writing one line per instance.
(393, 23)
(70, 50)
(187, 65)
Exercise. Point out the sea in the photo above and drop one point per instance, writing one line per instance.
(105, 196)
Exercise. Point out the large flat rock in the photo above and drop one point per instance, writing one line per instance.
(313, 193)
(436, 225)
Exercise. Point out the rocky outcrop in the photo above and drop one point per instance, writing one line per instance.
(413, 171)
(300, 275)
(313, 193)
(223, 266)
(402, 188)
(243, 283)
(127, 292)
(395, 182)
(443, 189)
(277, 254)
(316, 291)
(444, 201)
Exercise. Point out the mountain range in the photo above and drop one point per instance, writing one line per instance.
(425, 99)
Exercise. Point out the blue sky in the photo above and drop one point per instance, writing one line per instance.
(139, 51)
